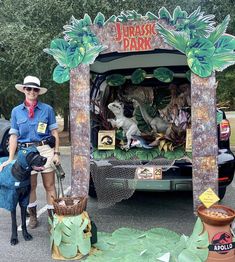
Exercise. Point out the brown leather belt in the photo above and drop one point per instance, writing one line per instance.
(36, 143)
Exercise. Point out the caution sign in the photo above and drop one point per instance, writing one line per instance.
(209, 198)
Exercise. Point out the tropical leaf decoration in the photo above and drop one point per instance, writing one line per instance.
(223, 60)
(102, 154)
(163, 74)
(67, 234)
(179, 16)
(115, 80)
(196, 245)
(123, 154)
(61, 74)
(219, 30)
(128, 15)
(79, 45)
(225, 44)
(199, 25)
(147, 155)
(138, 76)
(99, 19)
(111, 19)
(151, 16)
(141, 153)
(207, 48)
(176, 39)
(199, 53)
(188, 75)
(164, 14)
(126, 244)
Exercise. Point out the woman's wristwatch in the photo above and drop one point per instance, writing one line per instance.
(57, 153)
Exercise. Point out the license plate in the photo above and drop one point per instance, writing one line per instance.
(149, 173)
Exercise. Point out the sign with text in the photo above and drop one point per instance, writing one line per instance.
(136, 37)
(209, 198)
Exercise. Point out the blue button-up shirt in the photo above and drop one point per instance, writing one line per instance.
(27, 128)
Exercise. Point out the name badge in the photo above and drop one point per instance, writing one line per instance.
(42, 127)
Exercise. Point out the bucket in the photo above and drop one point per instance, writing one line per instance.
(217, 222)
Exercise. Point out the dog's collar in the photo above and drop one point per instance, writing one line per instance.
(19, 172)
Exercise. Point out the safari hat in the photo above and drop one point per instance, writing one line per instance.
(31, 81)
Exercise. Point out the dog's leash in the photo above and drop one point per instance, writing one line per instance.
(60, 174)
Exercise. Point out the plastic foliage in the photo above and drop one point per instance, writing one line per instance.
(140, 153)
(126, 244)
(68, 235)
(115, 80)
(79, 46)
(207, 48)
(138, 76)
(188, 75)
(163, 74)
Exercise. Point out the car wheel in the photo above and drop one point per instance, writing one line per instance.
(92, 192)
(222, 192)
(5, 143)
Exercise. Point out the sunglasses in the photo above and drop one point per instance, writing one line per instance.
(28, 88)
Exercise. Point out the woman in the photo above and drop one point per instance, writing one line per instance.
(33, 122)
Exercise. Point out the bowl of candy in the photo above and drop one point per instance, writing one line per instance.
(217, 215)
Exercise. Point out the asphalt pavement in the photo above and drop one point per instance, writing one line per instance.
(173, 211)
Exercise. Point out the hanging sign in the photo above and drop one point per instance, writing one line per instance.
(135, 37)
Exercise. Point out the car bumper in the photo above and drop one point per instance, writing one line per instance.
(176, 178)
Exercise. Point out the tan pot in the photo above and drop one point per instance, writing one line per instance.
(221, 244)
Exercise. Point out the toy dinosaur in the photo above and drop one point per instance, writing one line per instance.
(128, 125)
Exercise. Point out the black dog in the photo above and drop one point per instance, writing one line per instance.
(15, 186)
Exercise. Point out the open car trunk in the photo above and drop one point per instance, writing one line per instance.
(140, 114)
(151, 91)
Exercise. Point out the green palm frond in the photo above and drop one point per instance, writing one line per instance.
(223, 60)
(164, 15)
(133, 15)
(122, 17)
(75, 25)
(151, 16)
(219, 30)
(178, 40)
(179, 15)
(199, 25)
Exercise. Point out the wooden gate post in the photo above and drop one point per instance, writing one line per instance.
(204, 136)
(80, 129)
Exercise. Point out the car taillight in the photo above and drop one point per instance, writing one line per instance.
(224, 130)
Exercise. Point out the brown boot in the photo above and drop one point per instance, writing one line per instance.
(33, 222)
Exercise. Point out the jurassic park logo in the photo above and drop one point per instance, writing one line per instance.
(222, 243)
(135, 37)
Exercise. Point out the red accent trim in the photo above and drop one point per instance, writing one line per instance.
(223, 178)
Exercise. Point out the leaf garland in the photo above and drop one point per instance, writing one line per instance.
(163, 74)
(139, 153)
(115, 80)
(138, 76)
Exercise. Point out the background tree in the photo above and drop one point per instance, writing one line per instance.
(27, 27)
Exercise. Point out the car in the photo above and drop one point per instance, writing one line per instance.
(5, 126)
(111, 171)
